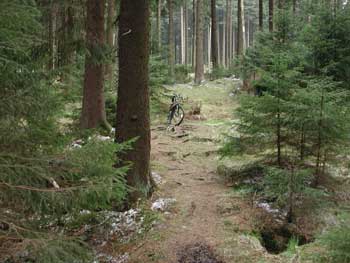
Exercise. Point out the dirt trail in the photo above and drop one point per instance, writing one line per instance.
(204, 211)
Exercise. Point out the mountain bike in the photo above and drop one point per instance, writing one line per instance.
(176, 112)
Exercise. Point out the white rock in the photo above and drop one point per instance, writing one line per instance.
(156, 178)
(162, 204)
(103, 138)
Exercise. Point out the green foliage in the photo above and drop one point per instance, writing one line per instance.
(61, 251)
(220, 72)
(27, 104)
(86, 179)
(292, 247)
(181, 73)
(278, 183)
(158, 74)
(111, 109)
(327, 38)
(298, 110)
(337, 242)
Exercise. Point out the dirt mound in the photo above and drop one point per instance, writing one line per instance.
(197, 253)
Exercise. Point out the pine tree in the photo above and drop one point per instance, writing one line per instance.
(93, 112)
(214, 35)
(133, 120)
(199, 70)
(171, 40)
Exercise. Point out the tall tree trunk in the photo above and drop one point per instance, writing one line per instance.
(279, 140)
(159, 25)
(52, 20)
(261, 15)
(294, 6)
(194, 30)
(228, 31)
(171, 40)
(186, 32)
(70, 37)
(110, 36)
(199, 72)
(224, 44)
(209, 45)
(241, 28)
(182, 34)
(214, 35)
(291, 191)
(93, 112)
(271, 11)
(280, 4)
(133, 119)
(319, 141)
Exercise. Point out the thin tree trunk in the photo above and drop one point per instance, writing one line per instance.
(209, 44)
(291, 190)
(194, 30)
(228, 32)
(159, 25)
(279, 141)
(302, 143)
(241, 28)
(186, 32)
(133, 119)
(52, 35)
(319, 141)
(199, 72)
(110, 36)
(281, 4)
(271, 11)
(171, 40)
(224, 44)
(294, 6)
(261, 15)
(182, 29)
(70, 34)
(93, 112)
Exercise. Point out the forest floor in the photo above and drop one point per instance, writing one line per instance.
(209, 222)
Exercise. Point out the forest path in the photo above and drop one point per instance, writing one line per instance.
(205, 210)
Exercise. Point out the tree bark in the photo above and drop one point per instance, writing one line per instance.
(224, 44)
(70, 37)
(271, 11)
(241, 28)
(182, 30)
(171, 40)
(186, 32)
(228, 32)
(52, 20)
(294, 6)
(261, 15)
(199, 72)
(319, 141)
(214, 35)
(93, 112)
(159, 25)
(133, 120)
(110, 36)
(194, 16)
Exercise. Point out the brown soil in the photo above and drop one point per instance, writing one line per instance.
(207, 220)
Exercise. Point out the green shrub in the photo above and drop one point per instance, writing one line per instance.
(220, 72)
(111, 109)
(158, 73)
(337, 242)
(54, 188)
(181, 73)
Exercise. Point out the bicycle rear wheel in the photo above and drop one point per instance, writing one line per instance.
(177, 116)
